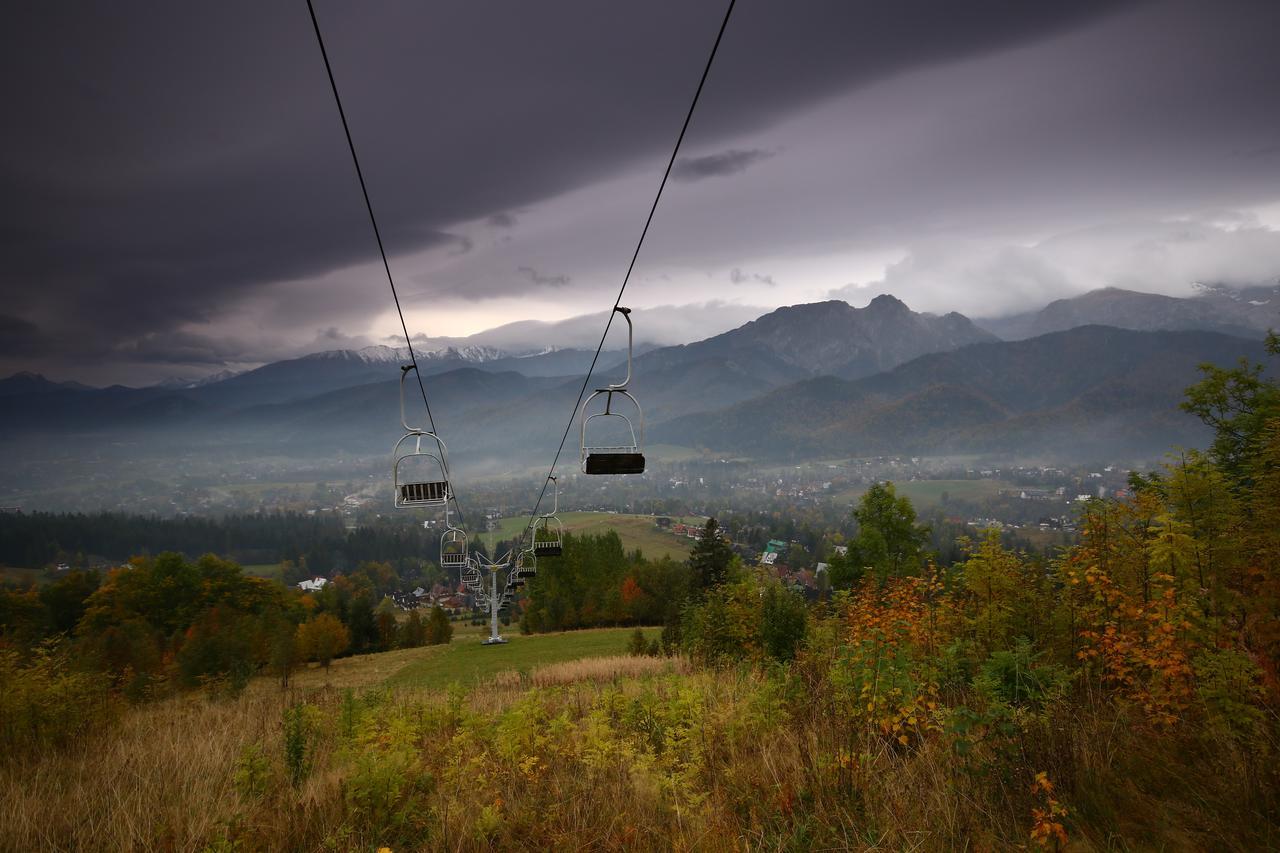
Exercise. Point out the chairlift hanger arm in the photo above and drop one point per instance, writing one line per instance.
(626, 314)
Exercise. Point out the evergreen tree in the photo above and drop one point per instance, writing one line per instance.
(414, 632)
(709, 562)
(438, 630)
(362, 624)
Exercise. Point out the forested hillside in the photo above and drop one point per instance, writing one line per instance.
(1093, 389)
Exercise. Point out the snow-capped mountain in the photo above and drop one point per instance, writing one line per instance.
(381, 354)
(175, 383)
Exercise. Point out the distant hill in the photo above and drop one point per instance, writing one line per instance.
(1091, 389)
(1246, 313)
(825, 338)
(34, 383)
(319, 373)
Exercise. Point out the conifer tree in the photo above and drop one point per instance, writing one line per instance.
(439, 630)
(709, 562)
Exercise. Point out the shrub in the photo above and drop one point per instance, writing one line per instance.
(1015, 677)
(253, 771)
(299, 735)
(636, 644)
(45, 702)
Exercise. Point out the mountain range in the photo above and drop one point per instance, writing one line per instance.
(1246, 312)
(1088, 391)
(805, 381)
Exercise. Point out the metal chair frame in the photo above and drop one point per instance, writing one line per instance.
(453, 536)
(552, 543)
(419, 493)
(615, 459)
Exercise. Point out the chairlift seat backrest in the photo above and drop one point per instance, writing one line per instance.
(429, 492)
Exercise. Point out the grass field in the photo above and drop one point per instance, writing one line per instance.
(636, 531)
(21, 577)
(926, 494)
(467, 661)
(263, 570)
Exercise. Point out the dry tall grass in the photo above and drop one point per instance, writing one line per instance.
(605, 754)
(604, 669)
(161, 780)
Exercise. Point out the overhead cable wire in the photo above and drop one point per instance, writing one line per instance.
(586, 380)
(377, 233)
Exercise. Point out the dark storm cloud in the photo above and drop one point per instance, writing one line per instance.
(162, 161)
(542, 278)
(717, 165)
(737, 276)
(18, 336)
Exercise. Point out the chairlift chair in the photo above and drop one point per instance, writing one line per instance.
(453, 545)
(526, 565)
(471, 575)
(548, 532)
(616, 458)
(421, 475)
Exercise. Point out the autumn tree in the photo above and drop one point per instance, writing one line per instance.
(385, 620)
(284, 651)
(995, 582)
(322, 639)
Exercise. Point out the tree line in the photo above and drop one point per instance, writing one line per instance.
(314, 544)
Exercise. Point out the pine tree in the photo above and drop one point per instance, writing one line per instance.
(414, 632)
(709, 562)
(439, 629)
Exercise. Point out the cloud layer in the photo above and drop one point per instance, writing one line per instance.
(178, 192)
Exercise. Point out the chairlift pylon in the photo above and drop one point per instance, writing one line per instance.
(420, 476)
(617, 458)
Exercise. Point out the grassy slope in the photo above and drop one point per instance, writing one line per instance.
(467, 661)
(636, 531)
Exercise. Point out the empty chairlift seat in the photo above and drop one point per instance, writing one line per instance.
(526, 566)
(614, 457)
(548, 532)
(453, 547)
(419, 464)
(471, 576)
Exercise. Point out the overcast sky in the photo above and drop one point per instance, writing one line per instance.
(178, 197)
